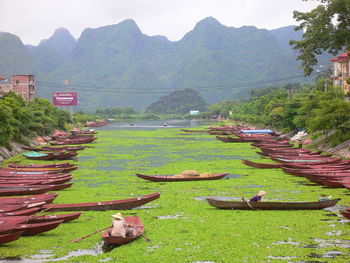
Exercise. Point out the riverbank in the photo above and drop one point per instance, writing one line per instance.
(181, 224)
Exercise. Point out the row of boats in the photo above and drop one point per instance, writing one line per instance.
(322, 169)
(26, 204)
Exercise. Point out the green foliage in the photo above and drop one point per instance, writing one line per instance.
(326, 28)
(293, 107)
(178, 102)
(18, 120)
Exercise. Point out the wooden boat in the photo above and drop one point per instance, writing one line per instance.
(266, 205)
(104, 205)
(32, 229)
(39, 170)
(137, 232)
(262, 165)
(7, 181)
(170, 178)
(55, 155)
(72, 141)
(345, 213)
(188, 130)
(24, 190)
(25, 212)
(47, 198)
(50, 218)
(74, 132)
(7, 238)
(64, 148)
(230, 139)
(54, 165)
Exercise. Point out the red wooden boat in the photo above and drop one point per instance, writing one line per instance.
(65, 148)
(20, 181)
(7, 238)
(50, 218)
(72, 141)
(47, 198)
(266, 205)
(24, 190)
(39, 170)
(54, 165)
(262, 165)
(25, 212)
(138, 230)
(32, 229)
(10, 208)
(104, 205)
(345, 213)
(170, 178)
(231, 139)
(55, 155)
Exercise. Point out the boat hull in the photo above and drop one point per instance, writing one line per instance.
(271, 205)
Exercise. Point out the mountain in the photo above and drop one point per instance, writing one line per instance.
(14, 57)
(284, 34)
(178, 102)
(119, 66)
(52, 52)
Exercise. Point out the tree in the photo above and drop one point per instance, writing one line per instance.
(326, 29)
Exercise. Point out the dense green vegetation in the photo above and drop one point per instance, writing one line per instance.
(20, 120)
(178, 102)
(294, 107)
(326, 28)
(181, 225)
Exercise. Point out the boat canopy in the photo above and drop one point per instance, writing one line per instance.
(257, 131)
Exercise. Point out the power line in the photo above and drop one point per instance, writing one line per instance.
(88, 88)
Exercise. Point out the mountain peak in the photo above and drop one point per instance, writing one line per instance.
(209, 21)
(61, 40)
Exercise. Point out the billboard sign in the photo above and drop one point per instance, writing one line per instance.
(65, 99)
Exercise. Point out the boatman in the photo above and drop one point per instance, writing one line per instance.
(120, 228)
(257, 197)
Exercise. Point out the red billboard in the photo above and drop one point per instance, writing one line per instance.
(65, 99)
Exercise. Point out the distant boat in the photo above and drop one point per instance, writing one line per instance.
(165, 124)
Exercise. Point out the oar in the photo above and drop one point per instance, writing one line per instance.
(139, 232)
(93, 233)
(244, 199)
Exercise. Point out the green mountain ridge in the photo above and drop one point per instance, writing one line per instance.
(119, 66)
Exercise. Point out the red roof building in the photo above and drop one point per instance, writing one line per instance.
(341, 69)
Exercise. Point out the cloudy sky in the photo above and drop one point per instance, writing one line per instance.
(34, 20)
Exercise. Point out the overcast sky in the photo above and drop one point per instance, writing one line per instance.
(34, 20)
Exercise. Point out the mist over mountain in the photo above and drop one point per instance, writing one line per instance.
(119, 66)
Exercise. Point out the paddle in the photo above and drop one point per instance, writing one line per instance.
(139, 232)
(93, 233)
(244, 199)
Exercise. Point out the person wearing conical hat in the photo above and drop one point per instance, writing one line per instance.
(258, 196)
(118, 226)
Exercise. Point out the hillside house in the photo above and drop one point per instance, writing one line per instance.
(341, 69)
(23, 85)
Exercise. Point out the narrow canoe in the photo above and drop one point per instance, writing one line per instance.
(345, 213)
(137, 232)
(10, 237)
(25, 212)
(104, 205)
(262, 165)
(47, 198)
(24, 190)
(32, 229)
(266, 205)
(169, 178)
(50, 218)
(39, 165)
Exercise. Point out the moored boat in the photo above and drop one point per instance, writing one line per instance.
(104, 205)
(138, 230)
(262, 165)
(266, 205)
(7, 238)
(171, 178)
(32, 229)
